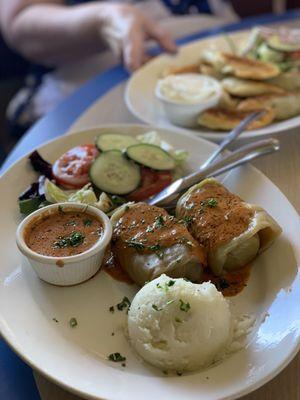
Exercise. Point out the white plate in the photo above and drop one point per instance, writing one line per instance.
(76, 358)
(141, 101)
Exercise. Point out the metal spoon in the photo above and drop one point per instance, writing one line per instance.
(231, 136)
(241, 156)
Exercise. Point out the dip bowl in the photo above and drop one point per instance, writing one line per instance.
(186, 114)
(66, 270)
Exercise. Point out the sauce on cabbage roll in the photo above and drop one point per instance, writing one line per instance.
(230, 283)
(232, 231)
(215, 215)
(147, 242)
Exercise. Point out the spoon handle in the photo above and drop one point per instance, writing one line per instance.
(241, 156)
(230, 137)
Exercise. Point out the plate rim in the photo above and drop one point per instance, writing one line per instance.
(28, 360)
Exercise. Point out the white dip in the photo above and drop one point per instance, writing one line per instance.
(188, 88)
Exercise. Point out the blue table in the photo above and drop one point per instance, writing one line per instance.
(16, 378)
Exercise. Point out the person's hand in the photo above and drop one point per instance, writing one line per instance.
(125, 29)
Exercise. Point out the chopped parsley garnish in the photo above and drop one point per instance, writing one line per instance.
(87, 222)
(149, 229)
(60, 209)
(159, 221)
(116, 357)
(125, 303)
(154, 247)
(178, 320)
(55, 320)
(212, 202)
(112, 309)
(135, 245)
(73, 322)
(73, 240)
(166, 286)
(184, 306)
(223, 284)
(187, 219)
(208, 203)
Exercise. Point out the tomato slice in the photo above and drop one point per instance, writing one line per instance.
(71, 170)
(295, 55)
(152, 182)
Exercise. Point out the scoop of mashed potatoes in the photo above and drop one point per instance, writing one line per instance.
(178, 325)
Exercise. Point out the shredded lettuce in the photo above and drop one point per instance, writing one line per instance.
(104, 203)
(85, 195)
(153, 137)
(54, 194)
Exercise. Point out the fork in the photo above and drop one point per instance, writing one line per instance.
(167, 198)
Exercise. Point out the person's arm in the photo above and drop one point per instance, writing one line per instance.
(51, 33)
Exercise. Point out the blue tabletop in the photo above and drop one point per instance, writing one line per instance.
(16, 378)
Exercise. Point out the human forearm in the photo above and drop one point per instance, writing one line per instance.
(49, 32)
(56, 34)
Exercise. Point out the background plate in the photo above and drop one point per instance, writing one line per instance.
(76, 358)
(141, 101)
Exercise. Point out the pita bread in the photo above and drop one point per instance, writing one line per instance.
(209, 70)
(225, 120)
(175, 70)
(287, 81)
(227, 102)
(286, 105)
(241, 67)
(247, 88)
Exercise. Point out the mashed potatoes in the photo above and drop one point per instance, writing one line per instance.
(178, 325)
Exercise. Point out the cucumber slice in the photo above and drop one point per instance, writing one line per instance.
(275, 43)
(151, 156)
(113, 173)
(112, 141)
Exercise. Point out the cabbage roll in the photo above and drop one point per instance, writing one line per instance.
(148, 242)
(232, 231)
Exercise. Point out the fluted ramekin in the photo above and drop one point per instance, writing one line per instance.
(70, 270)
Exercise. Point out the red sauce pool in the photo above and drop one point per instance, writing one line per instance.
(63, 234)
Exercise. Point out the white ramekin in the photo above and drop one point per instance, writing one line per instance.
(66, 271)
(186, 115)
